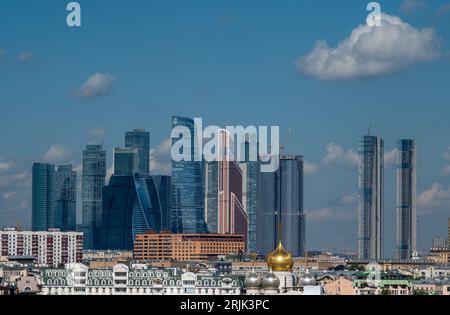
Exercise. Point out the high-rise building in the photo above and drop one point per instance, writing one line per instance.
(371, 186)
(249, 190)
(65, 202)
(225, 178)
(187, 187)
(406, 199)
(43, 196)
(163, 185)
(280, 205)
(126, 161)
(51, 248)
(140, 139)
(93, 180)
(132, 205)
(448, 238)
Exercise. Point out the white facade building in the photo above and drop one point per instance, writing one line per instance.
(52, 248)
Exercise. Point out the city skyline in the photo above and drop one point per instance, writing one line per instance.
(161, 77)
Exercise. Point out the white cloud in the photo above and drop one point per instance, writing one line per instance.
(160, 158)
(56, 154)
(390, 158)
(5, 165)
(97, 136)
(371, 51)
(338, 155)
(109, 173)
(435, 198)
(310, 168)
(25, 56)
(97, 85)
(8, 194)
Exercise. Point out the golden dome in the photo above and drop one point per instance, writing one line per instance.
(280, 259)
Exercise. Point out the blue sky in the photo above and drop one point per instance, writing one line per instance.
(232, 63)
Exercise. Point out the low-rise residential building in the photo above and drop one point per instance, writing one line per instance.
(135, 279)
(431, 287)
(339, 286)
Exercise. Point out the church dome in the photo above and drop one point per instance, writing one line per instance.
(280, 259)
(307, 279)
(270, 281)
(252, 280)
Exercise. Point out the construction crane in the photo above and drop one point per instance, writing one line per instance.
(284, 144)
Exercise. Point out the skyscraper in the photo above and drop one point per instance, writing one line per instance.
(249, 191)
(131, 205)
(371, 186)
(140, 139)
(43, 196)
(225, 212)
(65, 198)
(187, 187)
(93, 180)
(280, 204)
(406, 199)
(126, 161)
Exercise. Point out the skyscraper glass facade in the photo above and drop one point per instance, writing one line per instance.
(187, 187)
(131, 206)
(371, 189)
(43, 196)
(280, 204)
(406, 211)
(65, 198)
(140, 139)
(93, 180)
(126, 161)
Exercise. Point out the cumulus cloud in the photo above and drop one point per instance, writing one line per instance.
(337, 155)
(99, 84)
(15, 193)
(310, 168)
(25, 56)
(56, 154)
(343, 208)
(390, 158)
(5, 165)
(435, 198)
(371, 51)
(160, 158)
(109, 173)
(97, 136)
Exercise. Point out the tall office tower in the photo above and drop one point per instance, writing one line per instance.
(66, 198)
(140, 139)
(406, 199)
(43, 195)
(448, 238)
(187, 187)
(163, 188)
(249, 189)
(132, 205)
(212, 196)
(280, 204)
(232, 218)
(93, 180)
(371, 186)
(126, 161)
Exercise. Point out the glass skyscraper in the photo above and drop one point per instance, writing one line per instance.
(187, 187)
(280, 204)
(132, 205)
(65, 203)
(126, 161)
(140, 139)
(43, 196)
(371, 189)
(93, 180)
(406, 199)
